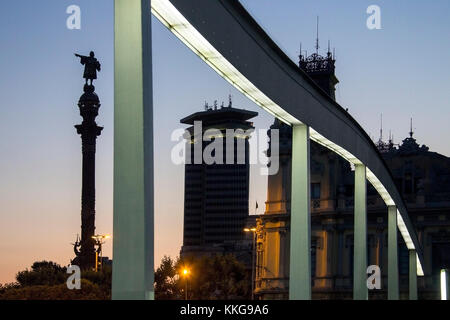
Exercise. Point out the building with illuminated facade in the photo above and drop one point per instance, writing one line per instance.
(422, 177)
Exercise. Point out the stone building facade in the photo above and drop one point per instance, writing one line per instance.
(423, 178)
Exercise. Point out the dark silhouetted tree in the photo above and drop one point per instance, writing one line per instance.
(42, 273)
(47, 281)
(210, 278)
(220, 277)
(167, 280)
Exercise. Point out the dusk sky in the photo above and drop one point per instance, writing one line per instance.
(400, 71)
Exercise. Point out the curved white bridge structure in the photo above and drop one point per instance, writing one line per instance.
(227, 38)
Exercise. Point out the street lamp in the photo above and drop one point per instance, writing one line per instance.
(99, 241)
(186, 274)
(253, 258)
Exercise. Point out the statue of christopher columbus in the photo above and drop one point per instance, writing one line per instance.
(91, 66)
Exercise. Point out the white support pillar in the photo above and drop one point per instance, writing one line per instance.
(133, 152)
(300, 246)
(393, 289)
(412, 275)
(360, 290)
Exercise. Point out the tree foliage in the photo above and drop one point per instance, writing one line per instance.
(167, 285)
(88, 291)
(217, 277)
(42, 273)
(210, 278)
(46, 280)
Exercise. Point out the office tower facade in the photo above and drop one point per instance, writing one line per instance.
(216, 194)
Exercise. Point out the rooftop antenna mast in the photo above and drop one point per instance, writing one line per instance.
(411, 132)
(317, 39)
(381, 128)
(301, 56)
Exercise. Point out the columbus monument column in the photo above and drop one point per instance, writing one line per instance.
(88, 104)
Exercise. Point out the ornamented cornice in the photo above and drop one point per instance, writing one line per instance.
(316, 63)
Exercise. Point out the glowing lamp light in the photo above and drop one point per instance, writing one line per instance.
(443, 284)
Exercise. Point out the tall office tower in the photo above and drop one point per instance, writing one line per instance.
(216, 195)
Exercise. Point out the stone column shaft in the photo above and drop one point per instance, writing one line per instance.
(360, 291)
(393, 288)
(300, 245)
(412, 275)
(133, 238)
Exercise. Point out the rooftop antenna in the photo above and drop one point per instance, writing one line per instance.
(381, 128)
(300, 52)
(230, 102)
(317, 39)
(411, 133)
(391, 140)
